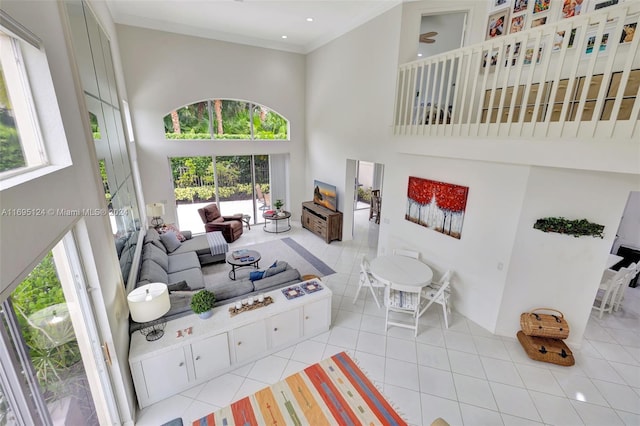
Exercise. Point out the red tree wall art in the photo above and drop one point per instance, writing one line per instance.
(436, 205)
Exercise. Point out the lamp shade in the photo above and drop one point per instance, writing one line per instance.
(155, 209)
(149, 302)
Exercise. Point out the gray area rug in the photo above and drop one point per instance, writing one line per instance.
(286, 249)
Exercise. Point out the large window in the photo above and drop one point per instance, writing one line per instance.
(20, 142)
(226, 119)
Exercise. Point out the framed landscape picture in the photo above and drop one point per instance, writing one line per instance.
(439, 206)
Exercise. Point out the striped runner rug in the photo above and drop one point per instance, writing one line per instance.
(332, 392)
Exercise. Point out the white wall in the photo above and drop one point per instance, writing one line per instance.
(349, 90)
(555, 270)
(629, 229)
(488, 231)
(165, 71)
(349, 112)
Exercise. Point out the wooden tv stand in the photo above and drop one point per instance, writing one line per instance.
(322, 221)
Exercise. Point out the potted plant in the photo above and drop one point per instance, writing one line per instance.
(202, 303)
(278, 205)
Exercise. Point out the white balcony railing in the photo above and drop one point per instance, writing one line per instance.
(577, 78)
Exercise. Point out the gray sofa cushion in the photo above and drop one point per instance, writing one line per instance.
(152, 236)
(151, 251)
(153, 273)
(199, 244)
(231, 289)
(170, 241)
(179, 303)
(283, 277)
(192, 276)
(182, 261)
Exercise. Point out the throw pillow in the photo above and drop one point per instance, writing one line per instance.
(181, 286)
(170, 241)
(172, 227)
(273, 270)
(256, 275)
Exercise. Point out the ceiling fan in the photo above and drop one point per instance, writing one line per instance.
(428, 37)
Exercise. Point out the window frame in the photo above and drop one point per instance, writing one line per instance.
(35, 104)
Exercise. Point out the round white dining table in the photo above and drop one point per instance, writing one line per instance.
(401, 270)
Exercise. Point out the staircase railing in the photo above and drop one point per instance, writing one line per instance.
(576, 78)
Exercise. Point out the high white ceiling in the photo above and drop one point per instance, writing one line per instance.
(254, 22)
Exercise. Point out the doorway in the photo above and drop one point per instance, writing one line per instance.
(361, 178)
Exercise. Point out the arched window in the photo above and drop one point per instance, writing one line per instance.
(226, 119)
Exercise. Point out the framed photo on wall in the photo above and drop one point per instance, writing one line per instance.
(600, 4)
(628, 32)
(571, 8)
(497, 24)
(520, 6)
(538, 22)
(497, 4)
(540, 6)
(517, 23)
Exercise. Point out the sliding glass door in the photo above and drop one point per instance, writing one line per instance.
(44, 375)
(238, 183)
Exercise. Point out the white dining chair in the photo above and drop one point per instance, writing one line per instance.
(632, 270)
(402, 300)
(439, 292)
(607, 292)
(368, 280)
(408, 253)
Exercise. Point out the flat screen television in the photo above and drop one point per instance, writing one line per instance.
(325, 195)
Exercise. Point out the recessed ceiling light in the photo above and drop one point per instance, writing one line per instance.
(419, 54)
(284, 36)
(309, 19)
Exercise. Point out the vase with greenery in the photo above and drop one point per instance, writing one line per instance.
(278, 205)
(202, 303)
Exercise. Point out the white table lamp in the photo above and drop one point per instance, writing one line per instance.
(147, 304)
(155, 211)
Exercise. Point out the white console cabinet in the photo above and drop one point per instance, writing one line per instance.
(194, 350)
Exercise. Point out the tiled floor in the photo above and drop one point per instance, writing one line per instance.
(463, 374)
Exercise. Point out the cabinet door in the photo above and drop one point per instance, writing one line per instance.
(210, 355)
(317, 316)
(284, 328)
(164, 373)
(250, 341)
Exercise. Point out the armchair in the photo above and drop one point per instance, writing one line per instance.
(230, 226)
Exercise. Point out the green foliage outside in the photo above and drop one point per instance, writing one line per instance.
(364, 195)
(11, 155)
(54, 352)
(193, 122)
(194, 180)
